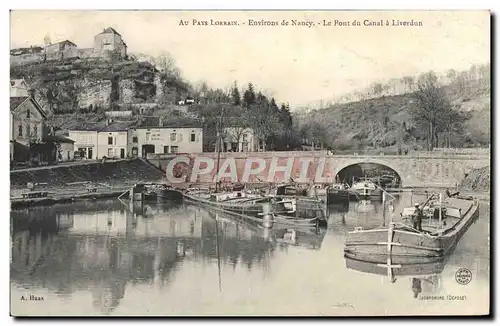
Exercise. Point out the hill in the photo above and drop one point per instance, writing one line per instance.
(386, 120)
(97, 85)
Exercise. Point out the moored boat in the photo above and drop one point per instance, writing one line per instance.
(338, 193)
(365, 188)
(238, 201)
(437, 238)
(295, 204)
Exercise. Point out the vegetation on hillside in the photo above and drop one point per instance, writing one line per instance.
(413, 112)
(431, 114)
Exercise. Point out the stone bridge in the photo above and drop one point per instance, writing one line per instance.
(421, 169)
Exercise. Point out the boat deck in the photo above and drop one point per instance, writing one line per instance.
(448, 221)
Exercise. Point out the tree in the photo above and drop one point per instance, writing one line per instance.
(249, 97)
(463, 82)
(377, 89)
(263, 121)
(47, 40)
(165, 62)
(433, 110)
(236, 128)
(451, 74)
(408, 81)
(235, 94)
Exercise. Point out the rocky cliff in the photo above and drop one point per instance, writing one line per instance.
(92, 85)
(477, 180)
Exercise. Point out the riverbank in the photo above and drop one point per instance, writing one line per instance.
(60, 198)
(481, 195)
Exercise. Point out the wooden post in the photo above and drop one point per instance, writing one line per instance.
(383, 207)
(268, 218)
(440, 209)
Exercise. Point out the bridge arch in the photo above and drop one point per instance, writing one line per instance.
(386, 164)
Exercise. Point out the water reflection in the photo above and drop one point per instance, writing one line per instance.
(164, 259)
(104, 246)
(424, 277)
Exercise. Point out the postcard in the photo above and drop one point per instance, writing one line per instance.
(250, 163)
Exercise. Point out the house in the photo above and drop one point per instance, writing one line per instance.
(18, 88)
(240, 139)
(59, 48)
(85, 142)
(109, 39)
(27, 119)
(165, 138)
(112, 142)
(28, 131)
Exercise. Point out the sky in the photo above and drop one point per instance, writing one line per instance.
(295, 64)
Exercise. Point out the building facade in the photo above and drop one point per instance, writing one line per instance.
(171, 140)
(112, 142)
(59, 48)
(238, 139)
(27, 120)
(18, 88)
(110, 40)
(66, 147)
(85, 143)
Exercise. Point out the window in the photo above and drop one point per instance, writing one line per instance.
(134, 139)
(122, 152)
(174, 149)
(193, 137)
(245, 137)
(173, 136)
(110, 140)
(165, 149)
(20, 130)
(28, 130)
(35, 130)
(110, 152)
(148, 137)
(28, 114)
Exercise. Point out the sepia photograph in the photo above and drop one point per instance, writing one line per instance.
(250, 163)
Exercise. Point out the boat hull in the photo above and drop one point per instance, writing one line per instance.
(335, 196)
(254, 208)
(382, 258)
(402, 268)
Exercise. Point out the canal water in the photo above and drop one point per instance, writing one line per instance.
(164, 259)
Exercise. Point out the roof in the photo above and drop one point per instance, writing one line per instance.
(85, 128)
(17, 82)
(154, 123)
(109, 30)
(111, 128)
(31, 50)
(58, 139)
(16, 101)
(60, 42)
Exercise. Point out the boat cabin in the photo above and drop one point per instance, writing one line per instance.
(223, 196)
(288, 190)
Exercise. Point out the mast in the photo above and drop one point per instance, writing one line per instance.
(219, 144)
(218, 251)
